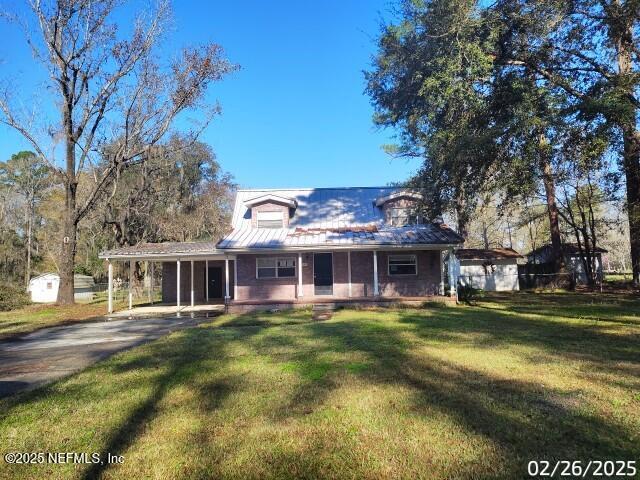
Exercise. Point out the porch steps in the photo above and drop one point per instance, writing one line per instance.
(322, 311)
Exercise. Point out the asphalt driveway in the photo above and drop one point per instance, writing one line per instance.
(48, 354)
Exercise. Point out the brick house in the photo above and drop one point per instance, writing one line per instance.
(306, 246)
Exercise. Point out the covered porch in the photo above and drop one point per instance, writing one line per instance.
(195, 277)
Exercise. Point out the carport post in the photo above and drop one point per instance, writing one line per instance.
(110, 288)
(441, 252)
(300, 288)
(376, 291)
(226, 279)
(151, 285)
(130, 284)
(206, 279)
(349, 270)
(178, 284)
(192, 295)
(235, 278)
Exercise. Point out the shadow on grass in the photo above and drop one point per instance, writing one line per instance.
(527, 420)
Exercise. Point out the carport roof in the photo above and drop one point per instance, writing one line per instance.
(165, 249)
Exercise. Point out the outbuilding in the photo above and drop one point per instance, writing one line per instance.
(44, 288)
(493, 269)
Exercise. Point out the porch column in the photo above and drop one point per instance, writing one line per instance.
(178, 284)
(192, 294)
(441, 252)
(376, 291)
(300, 289)
(349, 270)
(110, 288)
(206, 279)
(151, 284)
(130, 284)
(226, 279)
(453, 277)
(146, 274)
(235, 278)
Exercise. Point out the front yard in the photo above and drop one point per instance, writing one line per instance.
(449, 392)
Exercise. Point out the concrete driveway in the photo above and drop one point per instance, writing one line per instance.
(48, 354)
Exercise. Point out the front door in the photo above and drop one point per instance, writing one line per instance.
(215, 282)
(323, 273)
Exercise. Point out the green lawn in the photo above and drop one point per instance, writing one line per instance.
(451, 392)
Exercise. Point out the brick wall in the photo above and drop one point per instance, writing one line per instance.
(425, 283)
(169, 279)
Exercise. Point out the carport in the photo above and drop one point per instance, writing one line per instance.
(180, 262)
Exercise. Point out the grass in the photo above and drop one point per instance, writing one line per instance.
(461, 392)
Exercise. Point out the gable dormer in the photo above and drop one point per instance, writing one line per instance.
(400, 208)
(271, 211)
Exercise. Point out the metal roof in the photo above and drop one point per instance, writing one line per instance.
(320, 207)
(285, 238)
(487, 254)
(163, 249)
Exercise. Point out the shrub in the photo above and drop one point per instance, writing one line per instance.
(12, 297)
(468, 294)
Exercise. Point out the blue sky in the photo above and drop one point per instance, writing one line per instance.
(295, 113)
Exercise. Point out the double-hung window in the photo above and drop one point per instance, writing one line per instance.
(401, 217)
(270, 219)
(403, 265)
(274, 267)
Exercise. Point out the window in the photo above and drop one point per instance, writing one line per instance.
(49, 285)
(402, 216)
(270, 219)
(403, 265)
(272, 267)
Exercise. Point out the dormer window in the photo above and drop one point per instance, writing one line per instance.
(270, 219)
(402, 216)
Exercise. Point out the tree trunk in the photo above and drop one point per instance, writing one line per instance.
(68, 251)
(623, 36)
(631, 138)
(552, 210)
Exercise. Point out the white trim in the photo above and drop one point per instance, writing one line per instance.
(399, 194)
(151, 264)
(333, 282)
(442, 292)
(349, 271)
(415, 258)
(270, 197)
(376, 288)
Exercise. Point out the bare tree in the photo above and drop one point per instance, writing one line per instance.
(114, 100)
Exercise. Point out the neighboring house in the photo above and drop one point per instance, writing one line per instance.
(494, 269)
(302, 246)
(44, 288)
(572, 259)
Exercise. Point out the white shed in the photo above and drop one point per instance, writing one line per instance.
(44, 288)
(494, 269)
